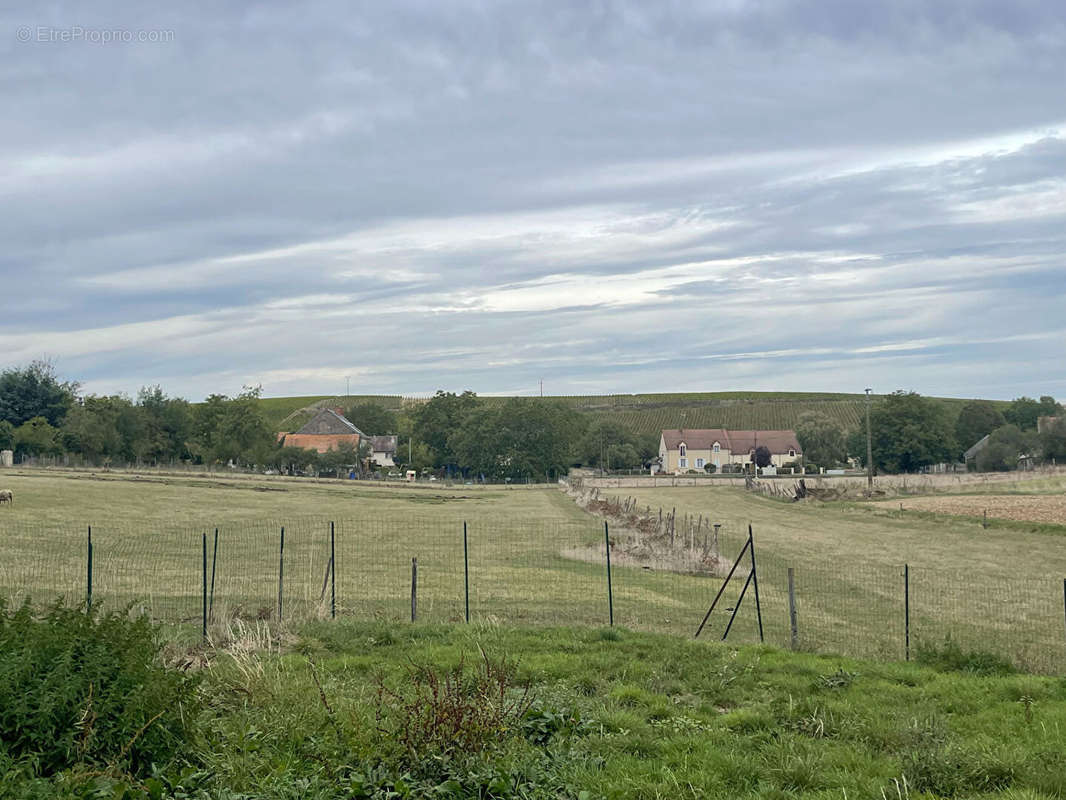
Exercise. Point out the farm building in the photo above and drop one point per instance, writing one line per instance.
(327, 430)
(383, 450)
(694, 448)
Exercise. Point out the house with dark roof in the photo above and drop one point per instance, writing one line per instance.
(327, 430)
(683, 449)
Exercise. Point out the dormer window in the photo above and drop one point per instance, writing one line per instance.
(791, 453)
(717, 447)
(683, 451)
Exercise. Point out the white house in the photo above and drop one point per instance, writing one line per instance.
(694, 448)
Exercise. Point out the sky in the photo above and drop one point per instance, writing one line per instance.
(610, 197)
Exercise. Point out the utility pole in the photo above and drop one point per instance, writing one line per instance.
(869, 448)
(348, 387)
(542, 387)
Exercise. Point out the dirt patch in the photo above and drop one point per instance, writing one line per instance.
(1024, 508)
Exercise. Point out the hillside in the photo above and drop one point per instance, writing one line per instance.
(650, 413)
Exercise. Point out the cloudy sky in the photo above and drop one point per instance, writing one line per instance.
(608, 196)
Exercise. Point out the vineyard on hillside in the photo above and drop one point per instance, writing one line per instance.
(643, 413)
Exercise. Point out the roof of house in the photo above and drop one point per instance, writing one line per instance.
(328, 422)
(779, 442)
(384, 444)
(982, 443)
(696, 438)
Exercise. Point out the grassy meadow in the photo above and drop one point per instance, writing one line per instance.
(534, 558)
(348, 710)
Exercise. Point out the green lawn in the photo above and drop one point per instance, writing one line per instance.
(534, 558)
(616, 714)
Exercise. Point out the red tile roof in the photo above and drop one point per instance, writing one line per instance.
(778, 442)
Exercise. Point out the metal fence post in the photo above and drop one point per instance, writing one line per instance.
(414, 589)
(755, 584)
(203, 553)
(281, 572)
(907, 611)
(466, 572)
(793, 627)
(610, 588)
(89, 574)
(332, 572)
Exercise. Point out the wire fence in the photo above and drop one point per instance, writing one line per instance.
(528, 572)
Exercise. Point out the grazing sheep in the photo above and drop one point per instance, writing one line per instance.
(7, 496)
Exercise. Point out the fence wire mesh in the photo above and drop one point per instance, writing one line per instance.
(529, 572)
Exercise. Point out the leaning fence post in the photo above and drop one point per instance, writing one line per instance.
(755, 584)
(203, 553)
(332, 572)
(414, 589)
(794, 628)
(89, 574)
(610, 588)
(907, 611)
(214, 561)
(281, 571)
(466, 573)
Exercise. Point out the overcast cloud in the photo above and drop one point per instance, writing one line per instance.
(614, 197)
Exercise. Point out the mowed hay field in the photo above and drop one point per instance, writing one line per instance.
(998, 589)
(1050, 509)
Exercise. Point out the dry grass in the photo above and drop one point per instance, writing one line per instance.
(1048, 509)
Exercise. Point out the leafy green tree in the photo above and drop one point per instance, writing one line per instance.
(1025, 411)
(35, 391)
(37, 437)
(609, 444)
(232, 429)
(822, 439)
(168, 424)
(977, 419)
(437, 420)
(911, 432)
(520, 439)
(1053, 441)
(1004, 446)
(7, 435)
(93, 428)
(763, 457)
(854, 444)
(373, 419)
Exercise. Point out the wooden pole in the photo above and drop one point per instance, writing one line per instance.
(281, 572)
(466, 572)
(414, 589)
(610, 590)
(794, 628)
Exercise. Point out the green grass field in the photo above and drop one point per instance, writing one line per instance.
(534, 558)
(650, 413)
(347, 710)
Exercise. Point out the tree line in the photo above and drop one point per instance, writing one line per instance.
(451, 434)
(462, 435)
(910, 432)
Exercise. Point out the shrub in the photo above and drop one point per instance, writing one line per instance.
(457, 710)
(86, 688)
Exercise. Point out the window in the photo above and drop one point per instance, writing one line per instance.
(791, 453)
(717, 447)
(682, 462)
(699, 463)
(682, 450)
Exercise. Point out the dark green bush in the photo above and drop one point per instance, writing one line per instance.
(87, 689)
